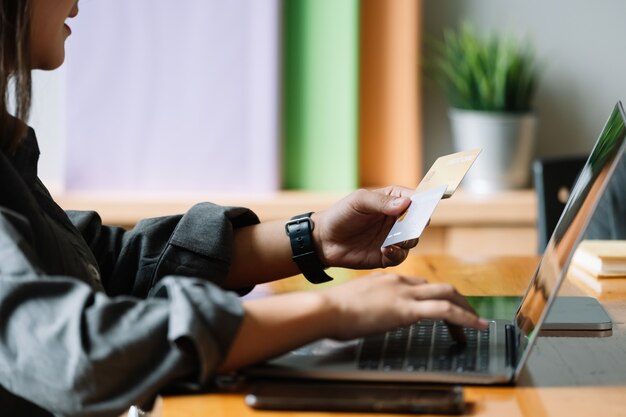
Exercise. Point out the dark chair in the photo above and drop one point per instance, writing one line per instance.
(553, 178)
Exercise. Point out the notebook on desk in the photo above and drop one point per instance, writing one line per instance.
(425, 351)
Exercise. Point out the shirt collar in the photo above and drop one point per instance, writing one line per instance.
(26, 157)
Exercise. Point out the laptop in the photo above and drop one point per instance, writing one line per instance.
(426, 352)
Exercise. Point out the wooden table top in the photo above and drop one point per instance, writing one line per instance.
(565, 376)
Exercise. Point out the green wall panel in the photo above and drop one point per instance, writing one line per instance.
(320, 98)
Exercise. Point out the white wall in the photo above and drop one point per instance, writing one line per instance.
(48, 115)
(155, 97)
(582, 45)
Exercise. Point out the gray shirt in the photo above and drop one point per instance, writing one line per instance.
(95, 318)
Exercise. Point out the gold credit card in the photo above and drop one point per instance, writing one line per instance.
(448, 170)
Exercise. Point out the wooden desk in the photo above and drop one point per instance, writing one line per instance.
(564, 377)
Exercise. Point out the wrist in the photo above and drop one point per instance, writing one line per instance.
(300, 229)
(332, 311)
(316, 217)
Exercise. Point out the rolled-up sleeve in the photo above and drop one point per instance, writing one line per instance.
(196, 244)
(75, 351)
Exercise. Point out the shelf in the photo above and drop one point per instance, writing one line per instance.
(517, 208)
(507, 208)
(126, 210)
(495, 224)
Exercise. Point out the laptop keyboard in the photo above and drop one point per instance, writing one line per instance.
(425, 346)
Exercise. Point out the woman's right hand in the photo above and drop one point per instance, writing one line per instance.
(383, 301)
(274, 325)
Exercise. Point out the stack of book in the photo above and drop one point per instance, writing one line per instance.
(600, 266)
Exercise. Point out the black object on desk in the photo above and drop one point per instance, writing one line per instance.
(356, 397)
(553, 178)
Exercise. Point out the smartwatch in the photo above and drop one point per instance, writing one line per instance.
(300, 232)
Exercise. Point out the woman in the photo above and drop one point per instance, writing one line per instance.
(95, 318)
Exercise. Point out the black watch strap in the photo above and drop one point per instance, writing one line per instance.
(300, 232)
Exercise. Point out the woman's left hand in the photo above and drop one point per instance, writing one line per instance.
(350, 233)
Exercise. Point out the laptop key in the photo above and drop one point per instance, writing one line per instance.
(419, 346)
(371, 351)
(425, 346)
(395, 348)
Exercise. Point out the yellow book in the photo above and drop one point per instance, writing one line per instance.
(597, 284)
(605, 258)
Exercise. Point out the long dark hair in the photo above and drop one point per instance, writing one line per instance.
(15, 70)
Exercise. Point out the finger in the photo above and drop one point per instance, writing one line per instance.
(457, 333)
(394, 206)
(369, 202)
(413, 280)
(408, 244)
(444, 292)
(396, 191)
(396, 278)
(450, 312)
(393, 255)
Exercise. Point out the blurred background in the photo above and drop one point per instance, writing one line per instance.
(249, 97)
(580, 48)
(164, 79)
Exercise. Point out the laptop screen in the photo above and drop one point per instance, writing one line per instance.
(589, 187)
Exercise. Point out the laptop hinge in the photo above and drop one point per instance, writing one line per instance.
(511, 345)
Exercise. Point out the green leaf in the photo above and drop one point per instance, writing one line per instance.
(485, 73)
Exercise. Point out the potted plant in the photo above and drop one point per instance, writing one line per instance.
(490, 84)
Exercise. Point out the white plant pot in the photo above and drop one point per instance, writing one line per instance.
(507, 141)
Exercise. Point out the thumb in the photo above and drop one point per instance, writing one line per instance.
(394, 206)
(373, 202)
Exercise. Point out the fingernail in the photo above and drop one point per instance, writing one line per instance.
(484, 323)
(396, 202)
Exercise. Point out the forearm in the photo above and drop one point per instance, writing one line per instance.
(261, 253)
(275, 325)
(348, 234)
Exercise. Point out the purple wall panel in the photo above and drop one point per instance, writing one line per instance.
(170, 96)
